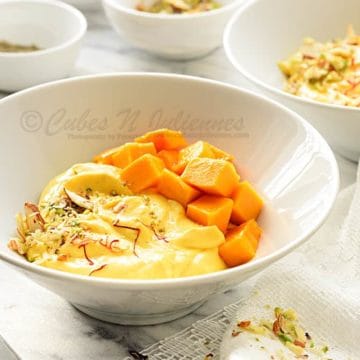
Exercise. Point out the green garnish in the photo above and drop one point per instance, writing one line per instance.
(284, 338)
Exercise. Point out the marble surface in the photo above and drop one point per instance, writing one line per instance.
(39, 325)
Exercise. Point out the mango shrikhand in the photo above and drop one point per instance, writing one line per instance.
(152, 209)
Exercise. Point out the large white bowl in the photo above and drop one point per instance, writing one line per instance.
(173, 36)
(263, 32)
(48, 128)
(55, 27)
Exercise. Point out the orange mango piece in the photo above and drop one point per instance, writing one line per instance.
(151, 190)
(198, 149)
(193, 151)
(127, 153)
(241, 244)
(211, 210)
(171, 160)
(173, 187)
(201, 149)
(164, 139)
(143, 173)
(105, 157)
(123, 155)
(247, 203)
(251, 229)
(220, 154)
(212, 176)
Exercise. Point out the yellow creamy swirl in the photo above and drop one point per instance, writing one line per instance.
(88, 222)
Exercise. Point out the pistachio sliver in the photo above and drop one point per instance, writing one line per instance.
(178, 4)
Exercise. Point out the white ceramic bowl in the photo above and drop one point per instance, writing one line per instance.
(55, 27)
(59, 124)
(174, 36)
(85, 5)
(263, 32)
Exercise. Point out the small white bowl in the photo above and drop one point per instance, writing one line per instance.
(55, 27)
(173, 36)
(65, 122)
(263, 32)
(85, 5)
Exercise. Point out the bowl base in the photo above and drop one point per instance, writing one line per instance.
(137, 319)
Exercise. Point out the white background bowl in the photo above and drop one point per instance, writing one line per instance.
(86, 5)
(55, 27)
(59, 124)
(174, 36)
(263, 32)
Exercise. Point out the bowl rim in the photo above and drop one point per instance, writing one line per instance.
(197, 279)
(74, 38)
(229, 29)
(114, 4)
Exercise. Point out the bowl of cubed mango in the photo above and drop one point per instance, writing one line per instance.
(136, 186)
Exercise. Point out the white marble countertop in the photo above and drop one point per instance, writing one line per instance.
(40, 325)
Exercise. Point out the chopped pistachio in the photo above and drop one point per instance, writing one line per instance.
(286, 328)
(290, 314)
(179, 6)
(325, 72)
(284, 338)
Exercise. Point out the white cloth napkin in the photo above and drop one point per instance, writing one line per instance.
(320, 280)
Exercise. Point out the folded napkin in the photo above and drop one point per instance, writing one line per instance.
(320, 280)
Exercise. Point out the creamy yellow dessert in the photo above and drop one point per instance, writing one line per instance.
(88, 222)
(153, 208)
(326, 72)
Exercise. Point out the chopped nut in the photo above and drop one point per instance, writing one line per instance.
(276, 327)
(290, 314)
(300, 334)
(299, 343)
(62, 257)
(297, 350)
(178, 6)
(244, 324)
(320, 71)
(13, 245)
